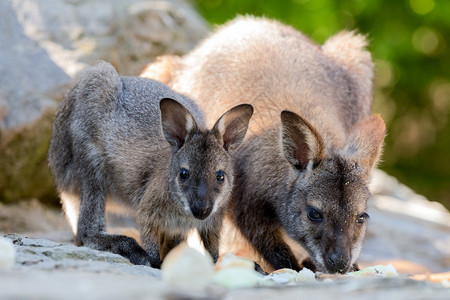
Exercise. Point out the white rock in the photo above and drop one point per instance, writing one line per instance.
(237, 277)
(378, 270)
(187, 269)
(282, 276)
(7, 254)
(229, 260)
(305, 275)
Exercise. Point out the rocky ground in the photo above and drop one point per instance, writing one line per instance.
(49, 270)
(406, 230)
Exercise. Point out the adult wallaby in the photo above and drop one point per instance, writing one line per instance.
(303, 172)
(136, 141)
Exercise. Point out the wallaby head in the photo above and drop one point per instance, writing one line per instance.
(326, 209)
(201, 171)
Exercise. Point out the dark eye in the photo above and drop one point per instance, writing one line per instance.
(362, 218)
(184, 174)
(314, 214)
(220, 176)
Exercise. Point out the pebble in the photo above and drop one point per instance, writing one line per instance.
(7, 254)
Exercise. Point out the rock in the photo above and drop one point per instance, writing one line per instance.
(405, 229)
(41, 254)
(236, 272)
(236, 278)
(43, 44)
(229, 260)
(413, 242)
(187, 269)
(281, 276)
(32, 216)
(7, 254)
(49, 270)
(378, 270)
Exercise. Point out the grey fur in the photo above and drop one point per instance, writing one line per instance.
(127, 138)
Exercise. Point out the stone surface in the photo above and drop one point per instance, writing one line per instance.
(43, 44)
(405, 228)
(412, 233)
(49, 270)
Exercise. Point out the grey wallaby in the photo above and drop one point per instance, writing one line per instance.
(136, 141)
(303, 172)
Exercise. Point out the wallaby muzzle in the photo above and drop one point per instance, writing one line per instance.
(201, 209)
(337, 255)
(337, 262)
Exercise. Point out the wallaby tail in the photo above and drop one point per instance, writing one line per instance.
(162, 69)
(348, 49)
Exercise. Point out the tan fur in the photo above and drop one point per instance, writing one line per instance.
(330, 138)
(265, 72)
(162, 68)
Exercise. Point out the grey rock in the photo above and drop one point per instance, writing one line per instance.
(44, 44)
(405, 226)
(41, 254)
(407, 230)
(28, 76)
(46, 269)
(49, 270)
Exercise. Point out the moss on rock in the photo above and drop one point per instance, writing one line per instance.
(24, 171)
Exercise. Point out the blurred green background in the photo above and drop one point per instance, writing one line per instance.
(409, 41)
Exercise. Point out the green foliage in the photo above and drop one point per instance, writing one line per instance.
(409, 41)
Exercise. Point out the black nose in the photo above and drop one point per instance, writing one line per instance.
(337, 262)
(201, 209)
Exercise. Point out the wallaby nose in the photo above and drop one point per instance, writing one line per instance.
(337, 262)
(201, 209)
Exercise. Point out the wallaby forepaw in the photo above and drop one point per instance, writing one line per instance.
(140, 258)
(259, 269)
(307, 263)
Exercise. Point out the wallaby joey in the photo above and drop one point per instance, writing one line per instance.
(303, 172)
(136, 141)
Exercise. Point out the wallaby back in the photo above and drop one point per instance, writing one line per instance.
(304, 170)
(136, 141)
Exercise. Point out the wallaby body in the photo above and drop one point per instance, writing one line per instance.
(302, 173)
(136, 141)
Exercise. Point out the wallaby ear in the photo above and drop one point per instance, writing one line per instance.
(301, 142)
(365, 142)
(232, 126)
(177, 122)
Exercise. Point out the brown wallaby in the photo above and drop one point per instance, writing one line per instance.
(136, 141)
(303, 172)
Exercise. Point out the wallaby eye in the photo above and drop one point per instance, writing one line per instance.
(184, 174)
(314, 214)
(362, 218)
(220, 175)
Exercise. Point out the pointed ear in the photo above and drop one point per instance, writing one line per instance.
(177, 122)
(232, 126)
(365, 142)
(301, 142)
